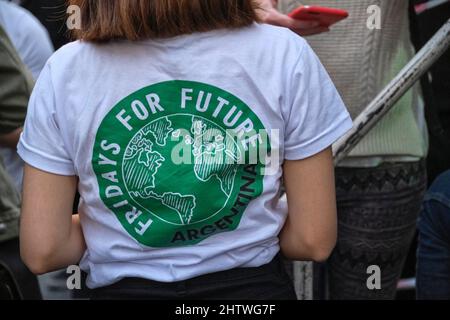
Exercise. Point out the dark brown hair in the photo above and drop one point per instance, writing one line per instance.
(103, 20)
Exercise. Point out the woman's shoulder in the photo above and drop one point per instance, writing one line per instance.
(70, 51)
(269, 42)
(75, 58)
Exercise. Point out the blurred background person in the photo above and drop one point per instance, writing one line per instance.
(16, 83)
(28, 35)
(381, 183)
(53, 16)
(433, 255)
(34, 46)
(32, 42)
(427, 17)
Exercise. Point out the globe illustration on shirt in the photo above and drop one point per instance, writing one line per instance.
(147, 171)
(178, 162)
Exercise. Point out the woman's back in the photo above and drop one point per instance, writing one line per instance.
(169, 139)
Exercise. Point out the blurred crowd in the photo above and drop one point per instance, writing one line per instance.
(393, 189)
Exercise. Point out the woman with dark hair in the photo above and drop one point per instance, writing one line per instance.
(177, 120)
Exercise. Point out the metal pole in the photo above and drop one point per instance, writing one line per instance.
(387, 98)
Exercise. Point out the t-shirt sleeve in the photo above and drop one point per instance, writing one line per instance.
(41, 144)
(316, 115)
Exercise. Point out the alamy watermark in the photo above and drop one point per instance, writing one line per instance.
(74, 19)
(374, 280)
(374, 19)
(73, 281)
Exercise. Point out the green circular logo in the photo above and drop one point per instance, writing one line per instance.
(179, 161)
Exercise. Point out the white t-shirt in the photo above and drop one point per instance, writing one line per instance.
(163, 136)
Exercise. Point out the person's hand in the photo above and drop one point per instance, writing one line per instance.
(268, 13)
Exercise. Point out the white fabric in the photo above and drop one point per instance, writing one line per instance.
(269, 69)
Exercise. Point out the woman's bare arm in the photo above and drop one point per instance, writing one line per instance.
(311, 227)
(50, 237)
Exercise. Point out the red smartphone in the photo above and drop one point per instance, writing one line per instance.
(324, 15)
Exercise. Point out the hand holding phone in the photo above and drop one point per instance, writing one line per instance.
(268, 13)
(324, 15)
